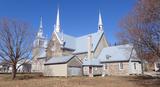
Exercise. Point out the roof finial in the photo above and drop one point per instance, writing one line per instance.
(100, 24)
(40, 32)
(41, 25)
(57, 26)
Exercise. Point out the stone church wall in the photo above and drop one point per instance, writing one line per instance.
(114, 68)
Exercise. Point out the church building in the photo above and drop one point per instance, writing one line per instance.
(66, 55)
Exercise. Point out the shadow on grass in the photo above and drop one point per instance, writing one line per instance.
(146, 81)
(6, 77)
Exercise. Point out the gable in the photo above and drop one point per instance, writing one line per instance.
(102, 44)
(82, 42)
(75, 62)
(54, 47)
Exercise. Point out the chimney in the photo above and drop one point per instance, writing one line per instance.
(89, 46)
(90, 55)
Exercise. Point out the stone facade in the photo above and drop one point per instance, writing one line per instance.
(95, 70)
(56, 49)
(135, 68)
(122, 68)
(115, 69)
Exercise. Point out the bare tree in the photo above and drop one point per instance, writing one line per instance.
(15, 43)
(141, 27)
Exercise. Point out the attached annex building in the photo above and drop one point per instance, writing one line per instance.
(66, 55)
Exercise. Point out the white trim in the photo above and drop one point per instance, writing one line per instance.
(135, 65)
(95, 69)
(104, 70)
(106, 66)
(156, 66)
(121, 68)
(58, 38)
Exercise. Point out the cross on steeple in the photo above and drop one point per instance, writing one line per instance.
(40, 32)
(100, 24)
(41, 25)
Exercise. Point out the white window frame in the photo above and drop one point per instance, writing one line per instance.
(41, 43)
(135, 65)
(106, 66)
(121, 68)
(96, 69)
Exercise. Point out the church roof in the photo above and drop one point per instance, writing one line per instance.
(91, 62)
(59, 60)
(113, 54)
(69, 40)
(79, 44)
(118, 53)
(82, 42)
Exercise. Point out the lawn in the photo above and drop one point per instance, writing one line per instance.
(25, 80)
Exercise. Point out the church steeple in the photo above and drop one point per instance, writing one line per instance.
(57, 26)
(100, 24)
(40, 40)
(40, 32)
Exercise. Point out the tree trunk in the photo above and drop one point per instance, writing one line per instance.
(14, 71)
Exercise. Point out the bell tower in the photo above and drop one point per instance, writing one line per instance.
(40, 40)
(39, 50)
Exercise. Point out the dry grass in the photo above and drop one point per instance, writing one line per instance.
(110, 81)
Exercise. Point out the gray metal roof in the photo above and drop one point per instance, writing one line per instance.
(59, 60)
(91, 62)
(118, 53)
(69, 41)
(113, 54)
(81, 42)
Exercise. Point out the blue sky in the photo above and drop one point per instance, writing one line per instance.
(78, 17)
